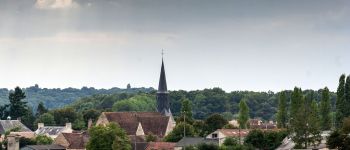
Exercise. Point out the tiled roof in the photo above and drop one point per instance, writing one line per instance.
(160, 146)
(76, 140)
(7, 125)
(44, 147)
(192, 141)
(152, 122)
(234, 132)
(50, 130)
(29, 135)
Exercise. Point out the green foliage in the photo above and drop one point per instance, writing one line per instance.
(45, 118)
(26, 141)
(340, 104)
(150, 137)
(110, 137)
(268, 140)
(91, 114)
(205, 146)
(230, 141)
(141, 102)
(18, 108)
(243, 114)
(306, 124)
(186, 111)
(178, 133)
(41, 109)
(227, 115)
(282, 110)
(214, 122)
(43, 140)
(64, 115)
(338, 140)
(325, 110)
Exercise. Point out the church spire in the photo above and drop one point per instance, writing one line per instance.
(162, 87)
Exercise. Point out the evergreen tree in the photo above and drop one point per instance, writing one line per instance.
(186, 110)
(325, 110)
(347, 97)
(282, 112)
(40, 109)
(340, 101)
(243, 114)
(313, 123)
(18, 108)
(296, 99)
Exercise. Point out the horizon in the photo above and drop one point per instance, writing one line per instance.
(234, 45)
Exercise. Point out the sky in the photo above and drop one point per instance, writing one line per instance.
(257, 45)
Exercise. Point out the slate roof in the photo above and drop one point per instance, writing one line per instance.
(162, 87)
(160, 146)
(76, 140)
(50, 130)
(151, 122)
(192, 141)
(43, 147)
(7, 125)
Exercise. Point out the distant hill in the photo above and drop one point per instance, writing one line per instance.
(56, 98)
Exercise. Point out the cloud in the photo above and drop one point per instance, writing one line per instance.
(55, 4)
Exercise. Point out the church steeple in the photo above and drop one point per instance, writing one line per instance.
(163, 104)
(162, 88)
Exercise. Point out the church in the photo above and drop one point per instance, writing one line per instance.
(139, 124)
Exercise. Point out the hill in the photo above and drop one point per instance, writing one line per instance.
(57, 98)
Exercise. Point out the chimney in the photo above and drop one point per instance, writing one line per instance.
(19, 119)
(68, 125)
(12, 142)
(40, 125)
(89, 123)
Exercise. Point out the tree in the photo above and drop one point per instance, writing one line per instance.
(25, 141)
(91, 114)
(314, 127)
(64, 115)
(255, 138)
(214, 122)
(282, 110)
(105, 137)
(140, 102)
(186, 110)
(347, 97)
(178, 132)
(45, 118)
(43, 140)
(340, 108)
(325, 110)
(18, 108)
(40, 109)
(243, 114)
(296, 102)
(150, 137)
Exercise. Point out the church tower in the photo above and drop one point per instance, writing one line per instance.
(163, 104)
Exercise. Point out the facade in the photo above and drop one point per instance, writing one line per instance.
(53, 131)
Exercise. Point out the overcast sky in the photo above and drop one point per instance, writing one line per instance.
(236, 45)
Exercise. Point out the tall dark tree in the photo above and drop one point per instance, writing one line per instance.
(282, 110)
(347, 97)
(296, 102)
(325, 110)
(340, 108)
(41, 109)
(186, 111)
(243, 115)
(18, 107)
(215, 121)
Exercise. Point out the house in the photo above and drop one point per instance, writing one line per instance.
(8, 125)
(72, 141)
(254, 122)
(139, 123)
(53, 131)
(43, 147)
(160, 146)
(193, 141)
(221, 134)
